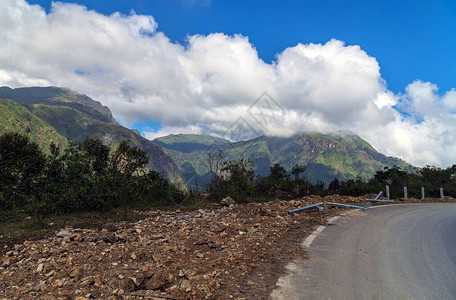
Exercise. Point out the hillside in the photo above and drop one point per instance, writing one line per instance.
(326, 156)
(17, 118)
(67, 114)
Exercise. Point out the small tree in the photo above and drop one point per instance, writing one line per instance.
(334, 185)
(297, 170)
(240, 177)
(277, 173)
(127, 161)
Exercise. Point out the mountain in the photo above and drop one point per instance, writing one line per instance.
(326, 156)
(17, 118)
(55, 113)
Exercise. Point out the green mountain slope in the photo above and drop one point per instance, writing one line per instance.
(17, 118)
(326, 156)
(76, 116)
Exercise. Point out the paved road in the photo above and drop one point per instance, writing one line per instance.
(392, 252)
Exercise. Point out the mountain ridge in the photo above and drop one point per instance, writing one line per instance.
(326, 156)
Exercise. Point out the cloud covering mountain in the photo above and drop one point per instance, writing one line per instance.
(207, 83)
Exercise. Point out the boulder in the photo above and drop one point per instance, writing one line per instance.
(227, 201)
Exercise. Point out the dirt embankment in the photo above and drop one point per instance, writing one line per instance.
(219, 252)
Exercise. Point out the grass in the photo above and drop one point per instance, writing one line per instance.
(16, 226)
(17, 118)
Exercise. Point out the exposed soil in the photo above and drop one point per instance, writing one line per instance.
(213, 253)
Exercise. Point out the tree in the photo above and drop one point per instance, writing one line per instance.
(334, 185)
(97, 154)
(128, 160)
(277, 173)
(297, 170)
(86, 176)
(21, 164)
(235, 180)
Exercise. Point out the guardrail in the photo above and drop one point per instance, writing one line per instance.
(345, 205)
(317, 205)
(320, 206)
(378, 200)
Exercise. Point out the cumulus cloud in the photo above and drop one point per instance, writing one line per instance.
(425, 134)
(212, 83)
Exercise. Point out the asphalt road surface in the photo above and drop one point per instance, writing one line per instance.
(391, 252)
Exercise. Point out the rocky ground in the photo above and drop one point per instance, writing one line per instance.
(220, 252)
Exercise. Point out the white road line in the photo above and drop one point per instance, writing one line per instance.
(333, 219)
(308, 241)
(383, 205)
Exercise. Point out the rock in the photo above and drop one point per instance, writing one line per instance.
(227, 201)
(40, 268)
(87, 281)
(97, 280)
(69, 262)
(165, 255)
(109, 238)
(39, 287)
(186, 286)
(153, 283)
(63, 233)
(136, 282)
(129, 286)
(59, 283)
(75, 273)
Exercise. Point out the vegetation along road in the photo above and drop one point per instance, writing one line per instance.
(390, 252)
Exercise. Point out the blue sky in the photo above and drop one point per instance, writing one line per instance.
(384, 70)
(410, 39)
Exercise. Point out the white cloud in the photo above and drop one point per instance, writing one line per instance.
(167, 130)
(206, 84)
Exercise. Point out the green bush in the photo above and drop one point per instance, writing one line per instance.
(84, 177)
